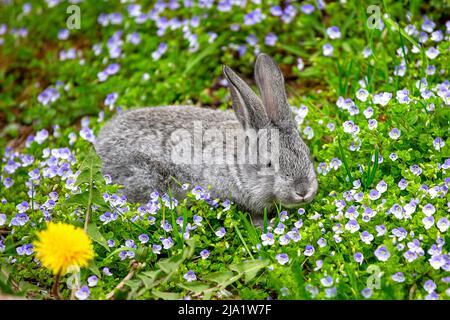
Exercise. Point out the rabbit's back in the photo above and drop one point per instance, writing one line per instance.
(136, 151)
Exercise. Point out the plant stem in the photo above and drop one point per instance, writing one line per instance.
(88, 209)
(134, 267)
(55, 289)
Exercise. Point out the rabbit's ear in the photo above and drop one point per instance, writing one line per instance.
(270, 82)
(246, 104)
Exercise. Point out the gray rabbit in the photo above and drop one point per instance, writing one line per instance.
(158, 148)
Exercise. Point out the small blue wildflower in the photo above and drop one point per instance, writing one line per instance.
(92, 281)
(382, 253)
(221, 232)
(204, 254)
(190, 276)
(282, 258)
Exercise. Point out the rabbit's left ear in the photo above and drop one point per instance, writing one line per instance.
(270, 82)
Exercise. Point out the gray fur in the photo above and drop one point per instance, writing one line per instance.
(135, 147)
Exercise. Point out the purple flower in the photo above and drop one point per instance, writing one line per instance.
(438, 143)
(111, 99)
(162, 48)
(2, 219)
(358, 256)
(111, 243)
(204, 254)
(398, 277)
(327, 50)
(374, 194)
(8, 182)
(190, 276)
(382, 253)
(112, 69)
(143, 238)
(156, 249)
(402, 184)
(429, 286)
(366, 293)
(415, 169)
(167, 243)
(271, 39)
(87, 134)
(197, 220)
(428, 222)
(394, 134)
(334, 32)
(366, 237)
(309, 250)
(253, 17)
(327, 281)
(221, 232)
(82, 293)
(276, 11)
(92, 281)
(106, 271)
(267, 239)
(19, 219)
(428, 209)
(307, 8)
(352, 226)
(372, 124)
(282, 258)
(443, 224)
(26, 249)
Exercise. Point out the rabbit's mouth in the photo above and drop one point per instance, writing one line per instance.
(297, 198)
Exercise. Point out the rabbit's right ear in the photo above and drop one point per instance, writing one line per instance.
(246, 104)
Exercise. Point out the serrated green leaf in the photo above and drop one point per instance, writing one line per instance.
(95, 234)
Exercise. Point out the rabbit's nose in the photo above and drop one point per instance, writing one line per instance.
(299, 196)
(312, 190)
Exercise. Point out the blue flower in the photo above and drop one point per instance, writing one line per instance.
(382, 253)
(2, 219)
(19, 219)
(156, 249)
(327, 281)
(267, 239)
(366, 293)
(309, 250)
(92, 281)
(358, 256)
(429, 286)
(282, 258)
(204, 254)
(221, 232)
(398, 277)
(190, 276)
(82, 293)
(334, 32)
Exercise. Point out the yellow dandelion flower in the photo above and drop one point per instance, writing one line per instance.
(62, 247)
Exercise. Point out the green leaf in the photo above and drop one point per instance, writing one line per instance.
(150, 278)
(249, 268)
(170, 265)
(219, 277)
(195, 286)
(78, 199)
(94, 233)
(167, 295)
